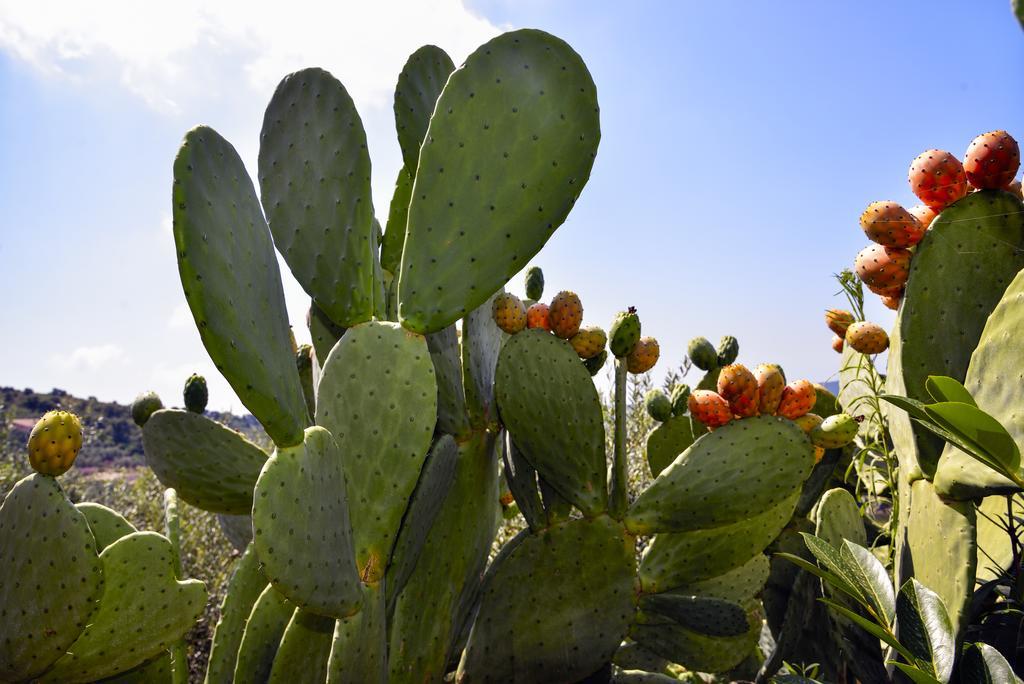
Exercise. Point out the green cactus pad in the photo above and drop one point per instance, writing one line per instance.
(246, 585)
(301, 526)
(304, 649)
(857, 380)
(229, 272)
(959, 273)
(427, 614)
(359, 644)
(424, 506)
(324, 333)
(837, 517)
(398, 214)
(263, 631)
(530, 604)
(51, 574)
(522, 482)
(159, 670)
(451, 397)
(676, 559)
(941, 549)
(995, 548)
(736, 585)
(419, 85)
(692, 650)
(142, 611)
(378, 395)
(701, 614)
(642, 677)
(502, 164)
(993, 379)
(551, 408)
(210, 465)
(237, 530)
(314, 172)
(481, 344)
(667, 441)
(107, 525)
(731, 474)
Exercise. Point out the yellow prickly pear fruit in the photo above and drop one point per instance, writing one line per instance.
(808, 422)
(509, 312)
(770, 383)
(644, 355)
(565, 314)
(867, 338)
(589, 341)
(55, 442)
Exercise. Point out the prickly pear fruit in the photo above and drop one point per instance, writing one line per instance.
(770, 383)
(1014, 188)
(145, 405)
(534, 283)
(565, 314)
(924, 215)
(889, 224)
(819, 453)
(644, 355)
(884, 267)
(196, 394)
(797, 399)
(509, 312)
(937, 178)
(589, 341)
(595, 363)
(55, 442)
(728, 350)
(624, 333)
(837, 344)
(702, 354)
(808, 422)
(838, 320)
(680, 398)
(891, 302)
(658, 405)
(709, 408)
(835, 431)
(738, 386)
(892, 291)
(537, 316)
(992, 160)
(867, 338)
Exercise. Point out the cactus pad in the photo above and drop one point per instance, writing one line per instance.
(692, 650)
(314, 172)
(504, 159)
(229, 272)
(481, 344)
(263, 630)
(550, 406)
(676, 559)
(107, 525)
(837, 517)
(51, 574)
(304, 649)
(378, 396)
(142, 611)
(702, 614)
(667, 441)
(211, 466)
(324, 332)
(359, 644)
(522, 482)
(419, 85)
(301, 525)
(451, 397)
(736, 585)
(545, 590)
(731, 474)
(398, 214)
(244, 588)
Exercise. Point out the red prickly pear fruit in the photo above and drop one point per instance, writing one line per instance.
(509, 312)
(770, 383)
(867, 338)
(644, 355)
(565, 314)
(738, 386)
(709, 408)
(589, 341)
(838, 320)
(892, 302)
(883, 267)
(992, 160)
(889, 224)
(937, 178)
(537, 316)
(797, 399)
(837, 344)
(924, 215)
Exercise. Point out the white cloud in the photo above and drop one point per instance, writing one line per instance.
(87, 358)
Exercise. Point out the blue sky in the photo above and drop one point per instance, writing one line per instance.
(741, 140)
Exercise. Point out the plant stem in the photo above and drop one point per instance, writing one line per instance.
(617, 498)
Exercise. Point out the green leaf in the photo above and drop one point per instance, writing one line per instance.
(943, 388)
(835, 581)
(918, 675)
(972, 450)
(915, 408)
(872, 628)
(982, 664)
(925, 629)
(870, 577)
(979, 428)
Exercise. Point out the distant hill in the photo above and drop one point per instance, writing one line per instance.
(111, 438)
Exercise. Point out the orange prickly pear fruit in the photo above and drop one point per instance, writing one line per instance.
(992, 160)
(565, 314)
(883, 267)
(937, 178)
(509, 312)
(797, 399)
(837, 344)
(892, 301)
(709, 408)
(819, 453)
(644, 355)
(889, 224)
(738, 386)
(867, 338)
(838, 320)
(537, 316)
(770, 382)
(55, 442)
(924, 215)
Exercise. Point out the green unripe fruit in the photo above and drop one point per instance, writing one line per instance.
(624, 333)
(595, 363)
(680, 398)
(196, 394)
(728, 350)
(835, 431)
(144, 406)
(534, 283)
(702, 353)
(658, 405)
